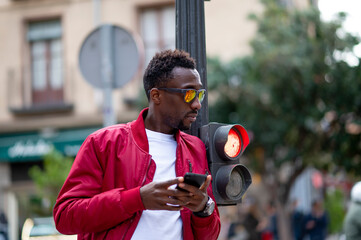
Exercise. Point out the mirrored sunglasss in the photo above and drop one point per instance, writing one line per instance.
(189, 94)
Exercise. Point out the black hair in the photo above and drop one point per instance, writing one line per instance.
(159, 70)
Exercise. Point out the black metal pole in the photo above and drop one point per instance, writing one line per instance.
(190, 36)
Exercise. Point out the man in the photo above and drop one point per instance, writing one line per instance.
(352, 223)
(122, 183)
(296, 220)
(316, 222)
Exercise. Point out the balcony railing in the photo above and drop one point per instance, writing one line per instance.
(20, 97)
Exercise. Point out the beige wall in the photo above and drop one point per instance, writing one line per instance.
(228, 29)
(228, 32)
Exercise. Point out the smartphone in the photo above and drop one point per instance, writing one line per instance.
(195, 179)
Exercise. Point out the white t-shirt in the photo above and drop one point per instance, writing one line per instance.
(161, 224)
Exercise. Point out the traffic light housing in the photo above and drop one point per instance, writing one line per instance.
(225, 144)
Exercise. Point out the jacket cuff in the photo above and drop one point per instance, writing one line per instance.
(202, 222)
(132, 200)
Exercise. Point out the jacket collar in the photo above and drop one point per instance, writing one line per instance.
(138, 131)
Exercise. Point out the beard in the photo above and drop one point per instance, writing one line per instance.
(176, 123)
(182, 127)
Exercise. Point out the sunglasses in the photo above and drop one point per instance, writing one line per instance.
(189, 94)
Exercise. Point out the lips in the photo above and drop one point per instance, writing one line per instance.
(192, 117)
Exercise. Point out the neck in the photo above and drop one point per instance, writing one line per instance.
(153, 122)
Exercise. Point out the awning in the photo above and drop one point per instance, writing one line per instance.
(31, 146)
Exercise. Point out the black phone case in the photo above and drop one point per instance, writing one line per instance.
(194, 179)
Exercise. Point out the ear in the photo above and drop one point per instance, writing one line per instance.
(154, 96)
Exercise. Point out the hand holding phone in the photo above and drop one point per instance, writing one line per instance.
(198, 200)
(195, 179)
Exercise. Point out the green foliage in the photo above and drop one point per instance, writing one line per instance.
(294, 94)
(335, 207)
(49, 181)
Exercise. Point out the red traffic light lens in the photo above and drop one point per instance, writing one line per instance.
(232, 148)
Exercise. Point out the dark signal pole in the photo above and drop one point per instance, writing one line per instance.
(224, 143)
(190, 37)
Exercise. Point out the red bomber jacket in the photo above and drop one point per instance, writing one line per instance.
(100, 199)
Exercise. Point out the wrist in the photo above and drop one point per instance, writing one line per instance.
(208, 209)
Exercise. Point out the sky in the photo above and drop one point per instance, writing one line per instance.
(352, 24)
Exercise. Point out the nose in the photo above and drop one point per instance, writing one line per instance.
(196, 104)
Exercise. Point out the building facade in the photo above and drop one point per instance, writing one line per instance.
(45, 101)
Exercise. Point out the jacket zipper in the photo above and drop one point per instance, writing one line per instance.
(191, 168)
(146, 172)
(125, 233)
(143, 181)
(190, 165)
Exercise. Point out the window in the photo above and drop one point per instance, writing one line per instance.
(46, 62)
(157, 29)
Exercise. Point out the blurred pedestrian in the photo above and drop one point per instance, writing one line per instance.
(269, 226)
(296, 220)
(251, 222)
(3, 226)
(316, 222)
(352, 223)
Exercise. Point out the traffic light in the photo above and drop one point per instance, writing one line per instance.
(225, 145)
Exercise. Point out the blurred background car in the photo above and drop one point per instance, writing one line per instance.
(42, 228)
